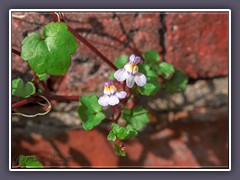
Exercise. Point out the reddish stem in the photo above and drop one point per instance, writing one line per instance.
(48, 96)
(16, 51)
(46, 89)
(113, 113)
(61, 98)
(119, 115)
(88, 44)
(23, 102)
(35, 80)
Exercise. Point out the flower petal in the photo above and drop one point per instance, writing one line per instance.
(113, 100)
(137, 60)
(130, 81)
(132, 58)
(121, 75)
(140, 79)
(121, 94)
(103, 100)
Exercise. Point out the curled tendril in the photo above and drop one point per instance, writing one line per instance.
(59, 15)
(38, 114)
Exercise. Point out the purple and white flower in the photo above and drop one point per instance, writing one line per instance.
(130, 73)
(111, 95)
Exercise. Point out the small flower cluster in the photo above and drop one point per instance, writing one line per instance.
(130, 74)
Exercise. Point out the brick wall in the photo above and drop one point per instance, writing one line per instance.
(197, 43)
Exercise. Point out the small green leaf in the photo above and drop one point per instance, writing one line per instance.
(111, 136)
(111, 76)
(90, 112)
(115, 128)
(177, 83)
(29, 162)
(119, 151)
(137, 117)
(40, 91)
(151, 58)
(42, 77)
(121, 61)
(166, 69)
(131, 132)
(18, 89)
(91, 102)
(151, 87)
(145, 69)
(52, 52)
(122, 133)
(92, 120)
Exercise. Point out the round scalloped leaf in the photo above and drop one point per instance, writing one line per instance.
(121, 61)
(111, 136)
(137, 117)
(51, 54)
(91, 102)
(145, 69)
(121, 132)
(151, 58)
(166, 69)
(177, 83)
(151, 87)
(21, 90)
(90, 112)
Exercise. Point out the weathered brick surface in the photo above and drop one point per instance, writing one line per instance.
(198, 43)
(175, 147)
(112, 34)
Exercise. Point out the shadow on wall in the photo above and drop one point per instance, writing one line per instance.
(196, 144)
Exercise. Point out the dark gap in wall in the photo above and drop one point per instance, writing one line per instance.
(192, 81)
(162, 31)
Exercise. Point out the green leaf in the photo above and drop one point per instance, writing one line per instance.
(137, 117)
(29, 162)
(111, 76)
(177, 83)
(122, 133)
(131, 132)
(52, 52)
(119, 151)
(42, 77)
(151, 58)
(115, 128)
(145, 69)
(121, 61)
(18, 88)
(91, 120)
(90, 112)
(166, 69)
(151, 87)
(91, 102)
(111, 136)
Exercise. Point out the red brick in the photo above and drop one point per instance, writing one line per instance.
(107, 32)
(185, 145)
(198, 43)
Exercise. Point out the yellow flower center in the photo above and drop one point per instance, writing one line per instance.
(110, 90)
(131, 68)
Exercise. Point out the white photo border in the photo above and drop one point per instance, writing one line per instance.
(123, 10)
